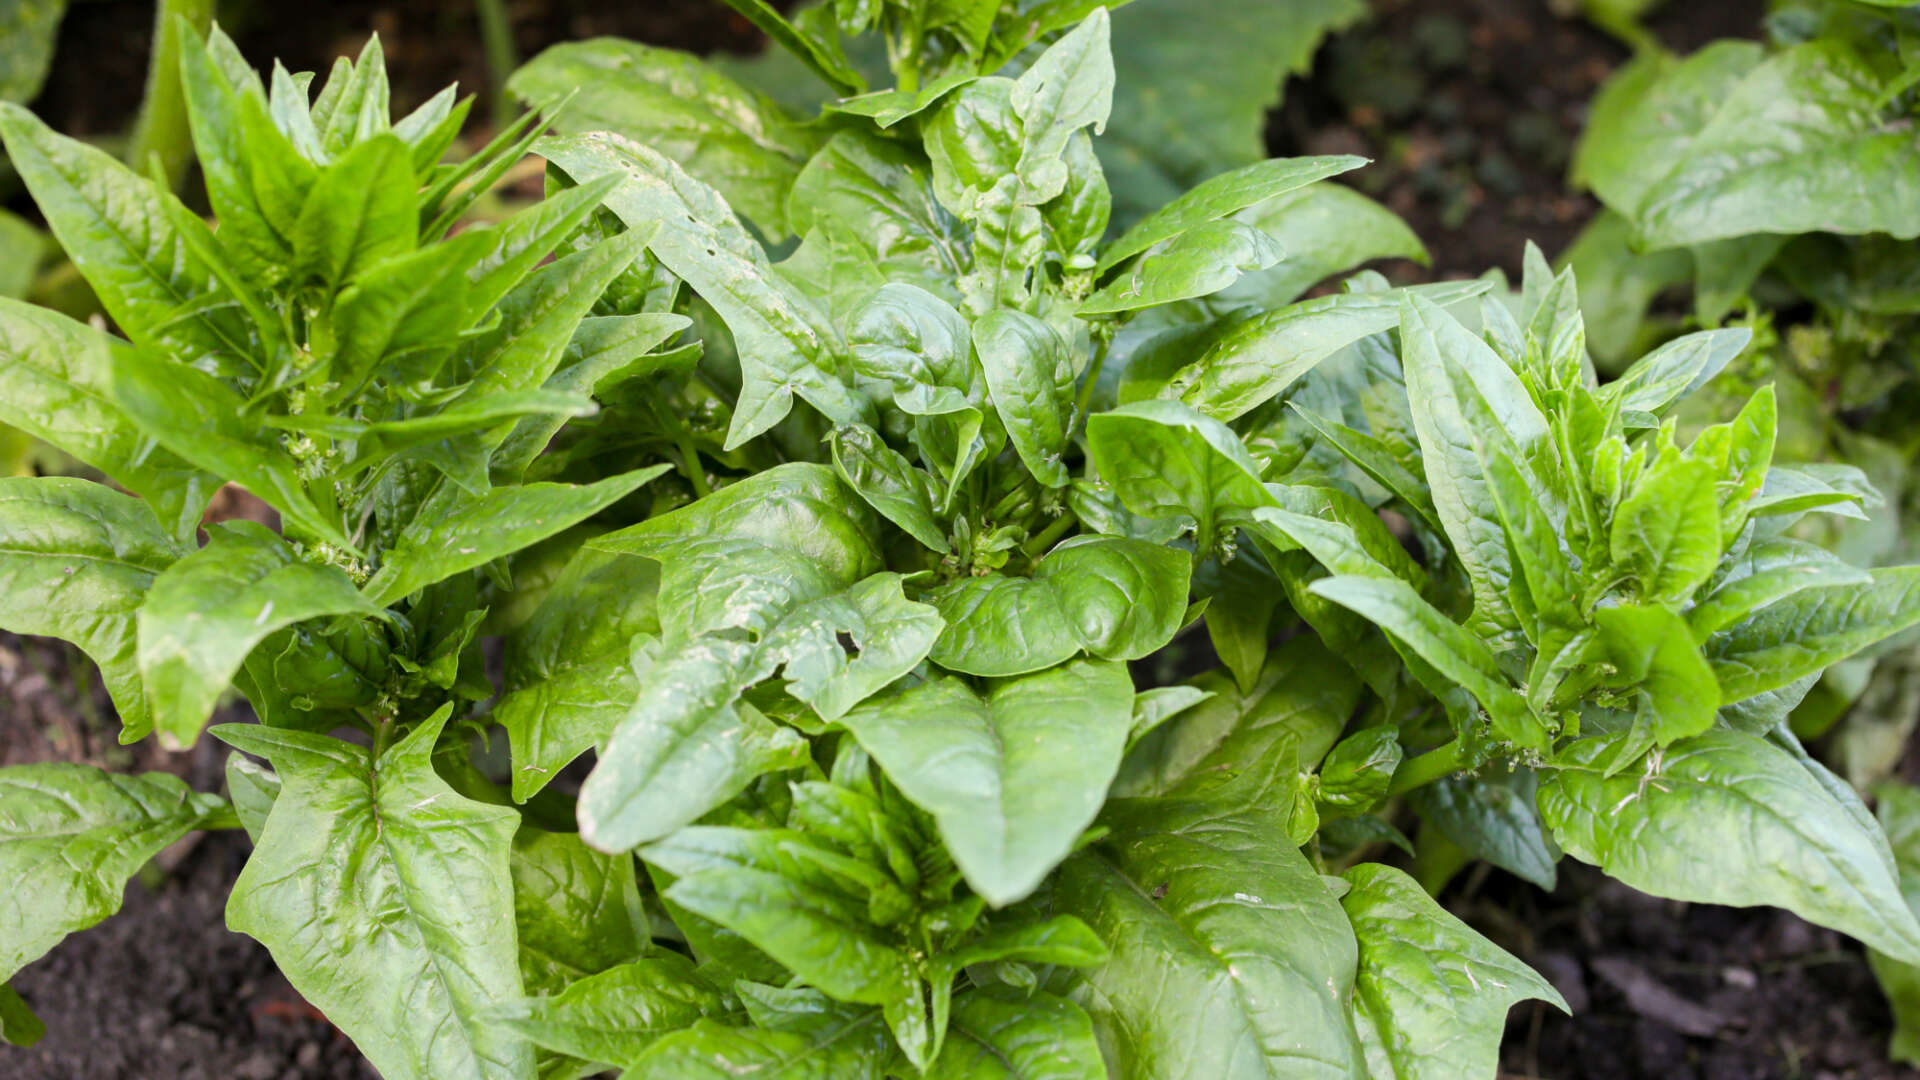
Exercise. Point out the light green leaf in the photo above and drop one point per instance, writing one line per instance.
(252, 787)
(879, 194)
(1324, 229)
(383, 895)
(1112, 597)
(731, 138)
(1168, 460)
(1728, 818)
(1029, 371)
(712, 1051)
(76, 561)
(1808, 631)
(1012, 777)
(27, 31)
(889, 483)
(1666, 532)
(205, 613)
(363, 208)
(1221, 196)
(70, 837)
(1432, 995)
(454, 532)
(786, 344)
(1199, 262)
(612, 1017)
(1770, 570)
(1040, 1037)
(1257, 359)
(1899, 813)
(576, 912)
(1674, 370)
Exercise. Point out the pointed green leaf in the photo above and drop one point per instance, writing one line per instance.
(614, 1016)
(1808, 631)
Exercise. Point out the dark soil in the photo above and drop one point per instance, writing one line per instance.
(1469, 108)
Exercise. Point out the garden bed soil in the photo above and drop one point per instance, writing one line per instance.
(1470, 141)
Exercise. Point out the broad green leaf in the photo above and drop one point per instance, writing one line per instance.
(732, 138)
(1029, 372)
(569, 668)
(1324, 229)
(401, 318)
(1810, 120)
(1112, 597)
(1809, 630)
(70, 837)
(1652, 648)
(1259, 358)
(454, 532)
(1432, 995)
(1160, 144)
(1768, 571)
(712, 1051)
(1199, 262)
(362, 209)
(1674, 370)
(383, 895)
(879, 194)
(113, 225)
(76, 561)
(1041, 1037)
(1167, 460)
(1666, 532)
(612, 1017)
(202, 420)
(889, 483)
(1229, 956)
(1454, 651)
(1493, 817)
(1727, 818)
(56, 383)
(1303, 696)
(1468, 404)
(786, 344)
(888, 107)
(576, 912)
(205, 613)
(27, 31)
(1011, 777)
(1220, 197)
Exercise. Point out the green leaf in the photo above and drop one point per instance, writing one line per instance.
(1899, 813)
(1493, 817)
(729, 137)
(889, 483)
(879, 194)
(1674, 370)
(786, 344)
(454, 532)
(27, 31)
(1810, 121)
(1229, 956)
(383, 894)
(1432, 995)
(76, 561)
(1011, 777)
(205, 613)
(1029, 371)
(613, 1017)
(56, 383)
(569, 668)
(362, 209)
(888, 107)
(1454, 651)
(577, 913)
(1811, 629)
(1167, 460)
(1768, 571)
(202, 420)
(70, 837)
(1220, 197)
(711, 1051)
(1727, 818)
(1112, 597)
(1042, 1037)
(1468, 405)
(18, 1025)
(1652, 648)
(1199, 262)
(252, 787)
(1324, 229)
(1257, 359)
(114, 224)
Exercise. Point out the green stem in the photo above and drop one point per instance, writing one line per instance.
(1057, 528)
(1435, 764)
(161, 130)
(1091, 380)
(496, 42)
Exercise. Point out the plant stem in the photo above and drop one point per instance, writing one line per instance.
(161, 129)
(496, 42)
(1057, 528)
(1091, 380)
(1436, 764)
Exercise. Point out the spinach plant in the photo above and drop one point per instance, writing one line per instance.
(846, 582)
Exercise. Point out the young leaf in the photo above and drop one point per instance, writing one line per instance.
(1808, 631)
(76, 561)
(382, 894)
(1012, 777)
(70, 837)
(1029, 372)
(1221, 196)
(205, 613)
(1727, 818)
(612, 1017)
(1432, 996)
